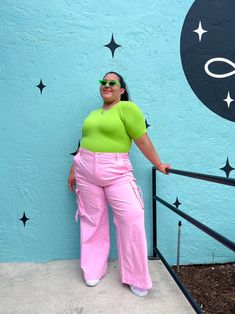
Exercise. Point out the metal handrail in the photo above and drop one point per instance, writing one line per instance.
(218, 237)
(203, 176)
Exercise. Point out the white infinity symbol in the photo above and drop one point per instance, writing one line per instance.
(219, 60)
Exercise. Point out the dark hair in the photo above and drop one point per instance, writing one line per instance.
(125, 95)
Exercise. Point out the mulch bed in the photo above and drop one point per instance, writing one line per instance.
(212, 286)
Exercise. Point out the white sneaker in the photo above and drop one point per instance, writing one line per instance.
(92, 283)
(138, 291)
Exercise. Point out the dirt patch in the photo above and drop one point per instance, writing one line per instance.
(212, 286)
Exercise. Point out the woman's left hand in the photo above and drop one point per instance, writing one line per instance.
(162, 168)
(71, 180)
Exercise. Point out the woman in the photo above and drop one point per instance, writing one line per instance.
(103, 174)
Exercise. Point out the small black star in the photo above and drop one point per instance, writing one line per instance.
(75, 153)
(41, 86)
(177, 203)
(24, 219)
(146, 123)
(227, 168)
(112, 45)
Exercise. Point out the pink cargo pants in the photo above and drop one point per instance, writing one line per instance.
(102, 179)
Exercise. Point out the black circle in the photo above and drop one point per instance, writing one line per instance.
(217, 18)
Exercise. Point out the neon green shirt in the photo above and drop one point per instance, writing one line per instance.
(112, 130)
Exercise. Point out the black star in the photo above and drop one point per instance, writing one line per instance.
(177, 203)
(146, 123)
(41, 86)
(112, 45)
(75, 153)
(227, 168)
(24, 219)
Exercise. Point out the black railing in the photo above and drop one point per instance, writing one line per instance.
(218, 237)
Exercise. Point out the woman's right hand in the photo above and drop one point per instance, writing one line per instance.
(71, 180)
(163, 168)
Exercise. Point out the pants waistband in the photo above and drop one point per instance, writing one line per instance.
(106, 154)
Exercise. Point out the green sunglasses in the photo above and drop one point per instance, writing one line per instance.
(110, 83)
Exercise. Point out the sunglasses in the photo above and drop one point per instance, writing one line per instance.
(110, 83)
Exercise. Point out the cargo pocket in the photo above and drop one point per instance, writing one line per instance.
(79, 204)
(138, 193)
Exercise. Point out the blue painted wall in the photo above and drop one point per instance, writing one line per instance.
(62, 43)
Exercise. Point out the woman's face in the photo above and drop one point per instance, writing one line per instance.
(111, 94)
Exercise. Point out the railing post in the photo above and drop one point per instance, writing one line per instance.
(178, 246)
(154, 214)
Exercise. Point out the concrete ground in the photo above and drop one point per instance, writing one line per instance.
(58, 287)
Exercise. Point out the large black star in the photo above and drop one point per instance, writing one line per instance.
(75, 153)
(24, 219)
(177, 203)
(227, 168)
(41, 86)
(112, 45)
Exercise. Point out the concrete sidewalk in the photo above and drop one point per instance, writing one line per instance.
(58, 287)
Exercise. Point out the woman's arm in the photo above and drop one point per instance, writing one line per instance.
(71, 179)
(147, 148)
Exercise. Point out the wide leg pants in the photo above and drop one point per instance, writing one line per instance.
(102, 179)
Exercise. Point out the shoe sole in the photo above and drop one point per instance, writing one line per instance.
(91, 284)
(137, 294)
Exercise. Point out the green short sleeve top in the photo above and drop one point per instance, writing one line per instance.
(112, 130)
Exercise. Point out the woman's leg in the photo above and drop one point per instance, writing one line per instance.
(128, 209)
(94, 229)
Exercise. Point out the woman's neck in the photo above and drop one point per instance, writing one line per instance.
(110, 104)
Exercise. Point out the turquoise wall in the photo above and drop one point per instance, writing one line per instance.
(62, 43)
